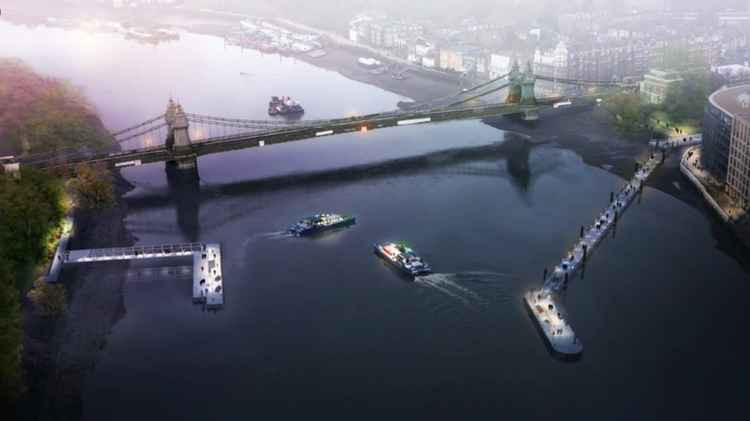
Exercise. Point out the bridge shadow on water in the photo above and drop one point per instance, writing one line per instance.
(508, 159)
(183, 188)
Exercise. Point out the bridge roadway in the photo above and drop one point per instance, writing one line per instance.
(304, 130)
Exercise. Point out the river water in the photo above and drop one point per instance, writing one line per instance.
(321, 327)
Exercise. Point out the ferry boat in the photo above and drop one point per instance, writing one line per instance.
(403, 258)
(321, 222)
(284, 106)
(550, 317)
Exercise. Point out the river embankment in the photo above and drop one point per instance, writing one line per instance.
(60, 352)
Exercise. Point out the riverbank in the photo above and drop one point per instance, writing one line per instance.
(420, 85)
(598, 143)
(715, 197)
(583, 131)
(59, 353)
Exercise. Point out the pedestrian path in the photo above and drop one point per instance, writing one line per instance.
(595, 233)
(677, 142)
(542, 303)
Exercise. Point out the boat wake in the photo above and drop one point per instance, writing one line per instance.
(454, 286)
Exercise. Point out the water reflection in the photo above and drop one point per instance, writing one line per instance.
(184, 192)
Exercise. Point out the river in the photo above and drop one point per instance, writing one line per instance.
(323, 328)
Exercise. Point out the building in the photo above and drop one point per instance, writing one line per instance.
(738, 175)
(451, 59)
(499, 65)
(732, 73)
(726, 140)
(655, 85)
(380, 31)
(552, 63)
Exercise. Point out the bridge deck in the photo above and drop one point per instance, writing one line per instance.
(303, 130)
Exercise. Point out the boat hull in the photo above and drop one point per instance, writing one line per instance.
(349, 221)
(401, 269)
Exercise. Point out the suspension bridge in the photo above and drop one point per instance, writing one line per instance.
(178, 138)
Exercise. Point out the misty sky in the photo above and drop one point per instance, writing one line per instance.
(500, 11)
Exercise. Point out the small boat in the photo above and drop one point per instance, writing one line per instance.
(284, 106)
(321, 222)
(403, 258)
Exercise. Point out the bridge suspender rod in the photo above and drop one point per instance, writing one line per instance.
(138, 126)
(142, 132)
(578, 81)
(479, 95)
(472, 89)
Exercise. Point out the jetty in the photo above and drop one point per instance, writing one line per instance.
(542, 303)
(208, 281)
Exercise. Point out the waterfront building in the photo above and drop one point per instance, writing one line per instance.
(726, 140)
(451, 59)
(655, 85)
(499, 65)
(732, 73)
(738, 170)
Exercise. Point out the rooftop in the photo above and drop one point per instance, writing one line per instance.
(733, 101)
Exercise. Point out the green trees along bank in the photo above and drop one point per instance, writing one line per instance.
(39, 114)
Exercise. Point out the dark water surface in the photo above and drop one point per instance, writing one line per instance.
(321, 328)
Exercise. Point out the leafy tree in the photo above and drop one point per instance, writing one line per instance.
(40, 114)
(93, 187)
(11, 338)
(31, 209)
(687, 99)
(49, 299)
(627, 114)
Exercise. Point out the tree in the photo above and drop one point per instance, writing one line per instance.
(40, 114)
(49, 299)
(11, 338)
(687, 99)
(627, 113)
(93, 187)
(30, 210)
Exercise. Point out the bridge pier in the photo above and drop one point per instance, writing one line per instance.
(185, 162)
(178, 139)
(530, 114)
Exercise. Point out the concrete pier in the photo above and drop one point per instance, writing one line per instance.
(552, 320)
(208, 283)
(208, 280)
(596, 232)
(542, 302)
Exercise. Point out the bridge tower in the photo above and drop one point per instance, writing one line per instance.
(514, 90)
(528, 99)
(178, 138)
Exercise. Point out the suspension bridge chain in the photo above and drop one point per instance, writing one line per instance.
(138, 126)
(438, 103)
(473, 97)
(581, 82)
